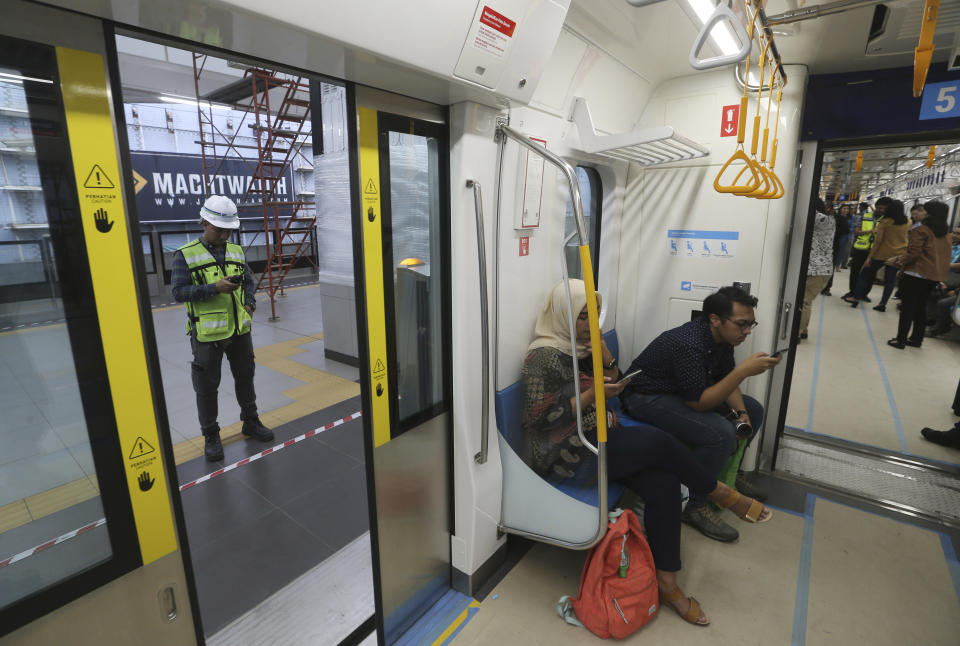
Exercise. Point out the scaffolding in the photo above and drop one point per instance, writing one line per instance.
(276, 109)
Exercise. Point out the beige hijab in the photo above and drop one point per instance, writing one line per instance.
(553, 324)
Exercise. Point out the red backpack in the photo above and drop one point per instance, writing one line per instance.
(618, 587)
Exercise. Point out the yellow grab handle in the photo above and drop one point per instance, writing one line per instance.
(596, 343)
(756, 135)
(741, 131)
(739, 155)
(923, 54)
(763, 150)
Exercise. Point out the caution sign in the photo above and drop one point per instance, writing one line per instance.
(93, 150)
(97, 178)
(373, 274)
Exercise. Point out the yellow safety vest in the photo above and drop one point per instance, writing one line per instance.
(223, 315)
(865, 239)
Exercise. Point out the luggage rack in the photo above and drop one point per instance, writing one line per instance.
(646, 147)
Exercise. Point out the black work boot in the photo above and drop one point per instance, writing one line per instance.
(705, 518)
(213, 449)
(253, 428)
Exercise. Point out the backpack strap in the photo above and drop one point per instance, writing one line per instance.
(565, 610)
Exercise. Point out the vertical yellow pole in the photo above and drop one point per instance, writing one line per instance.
(596, 342)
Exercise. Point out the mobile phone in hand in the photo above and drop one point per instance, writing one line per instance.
(780, 351)
(236, 280)
(627, 377)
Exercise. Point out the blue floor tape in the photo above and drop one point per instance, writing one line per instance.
(799, 635)
(897, 422)
(436, 620)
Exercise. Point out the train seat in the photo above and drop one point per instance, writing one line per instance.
(564, 511)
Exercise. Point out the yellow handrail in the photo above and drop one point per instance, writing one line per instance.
(923, 54)
(596, 343)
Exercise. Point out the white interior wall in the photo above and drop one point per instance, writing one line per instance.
(651, 295)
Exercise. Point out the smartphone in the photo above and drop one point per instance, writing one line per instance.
(780, 351)
(627, 377)
(236, 279)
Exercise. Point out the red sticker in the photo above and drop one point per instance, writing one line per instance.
(498, 21)
(525, 246)
(730, 120)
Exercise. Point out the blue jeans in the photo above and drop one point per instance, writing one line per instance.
(712, 438)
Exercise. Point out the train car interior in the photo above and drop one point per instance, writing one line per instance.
(382, 215)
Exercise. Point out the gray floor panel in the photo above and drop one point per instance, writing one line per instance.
(37, 473)
(930, 491)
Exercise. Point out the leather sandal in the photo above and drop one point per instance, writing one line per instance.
(753, 514)
(692, 615)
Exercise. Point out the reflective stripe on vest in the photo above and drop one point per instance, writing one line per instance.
(865, 239)
(222, 315)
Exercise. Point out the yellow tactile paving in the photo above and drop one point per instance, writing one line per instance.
(53, 500)
(877, 581)
(319, 390)
(14, 515)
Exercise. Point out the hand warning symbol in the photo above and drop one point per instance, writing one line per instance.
(146, 482)
(100, 219)
(379, 390)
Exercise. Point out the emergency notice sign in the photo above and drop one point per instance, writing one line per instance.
(494, 33)
(729, 120)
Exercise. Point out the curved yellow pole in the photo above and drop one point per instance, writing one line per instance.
(596, 343)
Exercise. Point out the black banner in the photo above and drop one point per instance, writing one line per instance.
(170, 186)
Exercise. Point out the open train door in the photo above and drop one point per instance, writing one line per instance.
(89, 542)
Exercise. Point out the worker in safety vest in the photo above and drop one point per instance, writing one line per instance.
(211, 276)
(864, 232)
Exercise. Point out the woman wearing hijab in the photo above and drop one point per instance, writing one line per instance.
(645, 459)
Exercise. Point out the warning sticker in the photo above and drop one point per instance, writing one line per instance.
(97, 178)
(495, 32)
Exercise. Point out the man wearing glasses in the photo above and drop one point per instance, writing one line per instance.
(690, 387)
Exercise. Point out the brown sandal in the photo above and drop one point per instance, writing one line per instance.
(692, 615)
(753, 514)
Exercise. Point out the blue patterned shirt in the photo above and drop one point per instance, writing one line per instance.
(185, 291)
(683, 361)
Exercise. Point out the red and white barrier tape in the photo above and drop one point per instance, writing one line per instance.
(59, 539)
(103, 521)
(272, 449)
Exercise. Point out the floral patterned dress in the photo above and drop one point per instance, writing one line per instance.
(553, 448)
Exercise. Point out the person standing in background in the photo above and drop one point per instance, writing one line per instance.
(841, 239)
(890, 241)
(863, 240)
(925, 263)
(820, 265)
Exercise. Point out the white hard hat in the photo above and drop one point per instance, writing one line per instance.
(220, 211)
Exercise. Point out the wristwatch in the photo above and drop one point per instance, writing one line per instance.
(740, 412)
(613, 362)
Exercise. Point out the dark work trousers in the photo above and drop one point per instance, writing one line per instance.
(206, 369)
(653, 464)
(857, 258)
(913, 307)
(867, 275)
(711, 437)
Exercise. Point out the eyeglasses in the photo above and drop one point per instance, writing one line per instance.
(744, 325)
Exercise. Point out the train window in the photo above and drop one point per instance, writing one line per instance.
(418, 267)
(591, 195)
(64, 508)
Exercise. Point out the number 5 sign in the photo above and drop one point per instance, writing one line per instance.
(941, 101)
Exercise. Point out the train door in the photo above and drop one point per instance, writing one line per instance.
(89, 539)
(403, 212)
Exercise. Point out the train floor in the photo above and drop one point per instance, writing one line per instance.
(821, 572)
(849, 384)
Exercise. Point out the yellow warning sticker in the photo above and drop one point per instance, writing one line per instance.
(373, 274)
(94, 152)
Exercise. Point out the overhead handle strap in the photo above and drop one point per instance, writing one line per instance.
(721, 13)
(923, 54)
